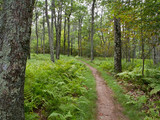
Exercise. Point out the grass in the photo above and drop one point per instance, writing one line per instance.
(64, 90)
(132, 111)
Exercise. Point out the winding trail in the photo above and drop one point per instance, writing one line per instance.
(107, 107)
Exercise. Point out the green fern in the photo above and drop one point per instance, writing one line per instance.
(155, 90)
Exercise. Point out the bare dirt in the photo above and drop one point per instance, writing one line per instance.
(107, 107)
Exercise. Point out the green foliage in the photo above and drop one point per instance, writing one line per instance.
(128, 103)
(60, 91)
(155, 90)
(31, 116)
(140, 92)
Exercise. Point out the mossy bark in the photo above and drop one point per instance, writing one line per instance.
(15, 30)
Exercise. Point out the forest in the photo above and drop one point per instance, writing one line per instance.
(79, 59)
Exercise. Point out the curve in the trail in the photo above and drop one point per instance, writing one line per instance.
(107, 107)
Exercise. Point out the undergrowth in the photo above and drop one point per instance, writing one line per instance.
(61, 91)
(140, 96)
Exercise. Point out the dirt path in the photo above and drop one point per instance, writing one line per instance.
(107, 108)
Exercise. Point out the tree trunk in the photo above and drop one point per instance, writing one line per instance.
(71, 46)
(59, 31)
(134, 48)
(109, 43)
(80, 37)
(52, 32)
(142, 43)
(49, 33)
(154, 56)
(41, 41)
(36, 25)
(92, 31)
(15, 30)
(44, 32)
(57, 22)
(143, 56)
(129, 49)
(117, 47)
(64, 43)
(68, 36)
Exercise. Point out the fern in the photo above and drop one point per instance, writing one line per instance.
(56, 89)
(155, 90)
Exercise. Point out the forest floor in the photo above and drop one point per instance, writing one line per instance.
(107, 106)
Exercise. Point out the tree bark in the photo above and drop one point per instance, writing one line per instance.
(44, 32)
(68, 35)
(59, 30)
(154, 56)
(71, 46)
(80, 37)
(15, 30)
(92, 31)
(142, 43)
(68, 19)
(117, 47)
(36, 27)
(58, 21)
(52, 31)
(49, 33)
(64, 43)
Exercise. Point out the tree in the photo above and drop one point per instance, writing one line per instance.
(43, 31)
(68, 19)
(92, 30)
(50, 32)
(64, 43)
(58, 25)
(117, 45)
(80, 13)
(15, 30)
(36, 25)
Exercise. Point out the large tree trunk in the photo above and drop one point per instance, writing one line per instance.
(117, 47)
(49, 33)
(15, 30)
(92, 30)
